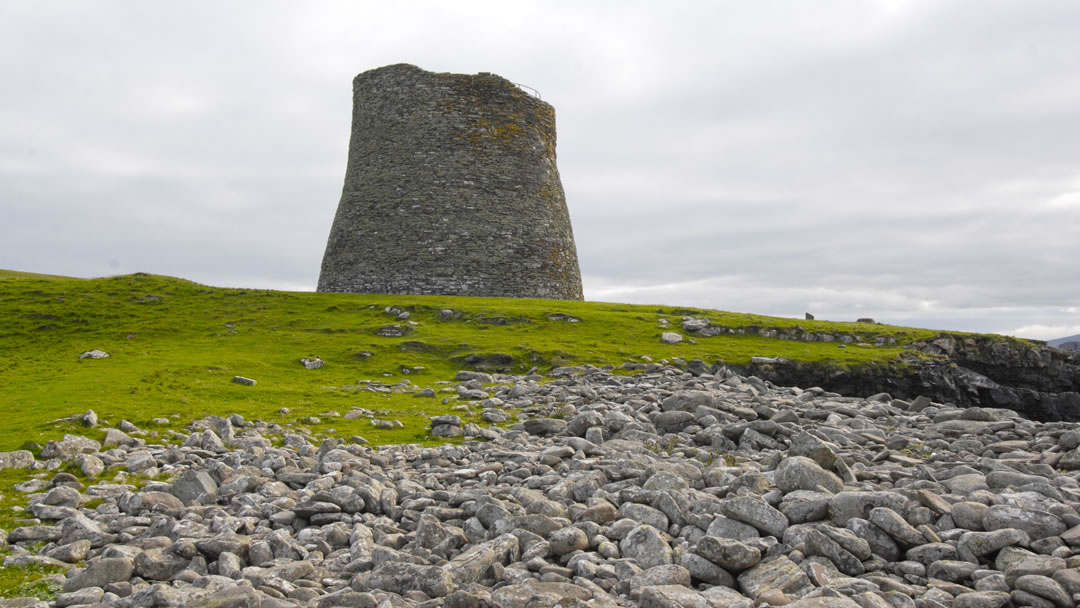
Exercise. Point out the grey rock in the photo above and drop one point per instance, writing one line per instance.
(1037, 524)
(931, 552)
(824, 602)
(731, 555)
(819, 544)
(879, 541)
(644, 514)
(1042, 565)
(723, 527)
(672, 596)
(159, 564)
(401, 577)
(89, 595)
(969, 515)
(312, 362)
(848, 505)
(667, 574)
(756, 513)
(688, 401)
(195, 488)
(471, 565)
(981, 599)
(802, 473)
(895, 526)
(567, 540)
(705, 570)
(19, 459)
(100, 572)
(1046, 588)
(545, 426)
(646, 545)
(954, 571)
(71, 553)
(777, 573)
(805, 444)
(974, 545)
(69, 447)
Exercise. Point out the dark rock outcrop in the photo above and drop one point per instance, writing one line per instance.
(1038, 381)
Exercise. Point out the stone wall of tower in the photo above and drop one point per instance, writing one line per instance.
(451, 188)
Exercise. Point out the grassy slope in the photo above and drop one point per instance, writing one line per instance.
(176, 345)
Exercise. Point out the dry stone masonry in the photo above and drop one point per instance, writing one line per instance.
(665, 489)
(451, 189)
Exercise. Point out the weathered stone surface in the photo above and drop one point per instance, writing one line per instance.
(672, 596)
(778, 573)
(671, 337)
(646, 545)
(895, 526)
(535, 593)
(69, 447)
(195, 487)
(458, 137)
(159, 564)
(19, 459)
(819, 544)
(824, 602)
(802, 473)
(402, 577)
(729, 554)
(981, 599)
(1046, 588)
(472, 564)
(1037, 524)
(567, 540)
(101, 572)
(756, 513)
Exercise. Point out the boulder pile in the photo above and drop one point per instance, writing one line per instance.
(664, 489)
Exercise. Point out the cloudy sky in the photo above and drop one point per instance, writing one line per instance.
(913, 161)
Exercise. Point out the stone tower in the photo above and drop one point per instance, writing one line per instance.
(451, 188)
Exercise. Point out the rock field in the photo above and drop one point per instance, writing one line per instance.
(662, 489)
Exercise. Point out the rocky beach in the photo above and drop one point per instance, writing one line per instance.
(667, 488)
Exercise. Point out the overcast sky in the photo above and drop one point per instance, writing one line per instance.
(915, 162)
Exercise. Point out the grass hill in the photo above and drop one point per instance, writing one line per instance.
(1061, 342)
(175, 346)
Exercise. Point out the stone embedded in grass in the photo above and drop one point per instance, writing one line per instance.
(312, 362)
(393, 331)
(94, 354)
(19, 459)
(69, 446)
(446, 426)
(243, 380)
(671, 337)
(90, 418)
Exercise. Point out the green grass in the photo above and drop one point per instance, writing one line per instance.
(176, 346)
(15, 274)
